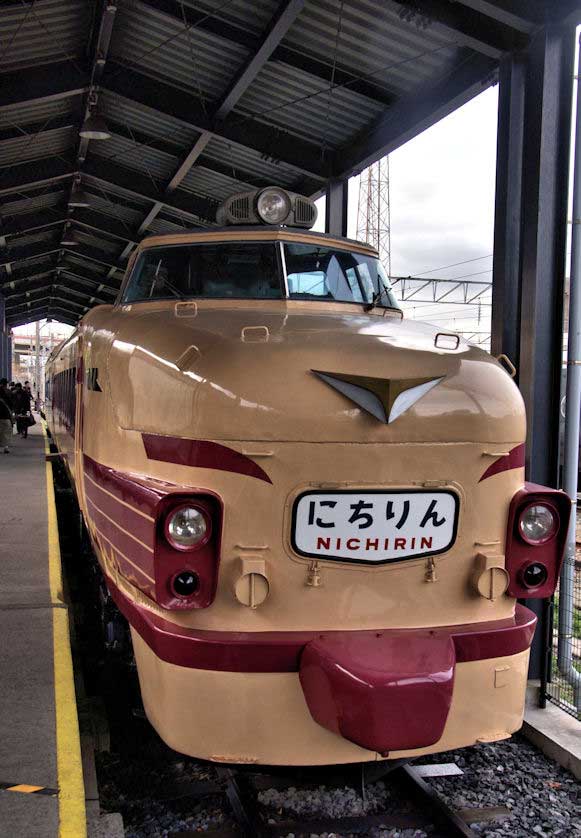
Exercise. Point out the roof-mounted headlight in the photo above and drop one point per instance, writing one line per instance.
(271, 205)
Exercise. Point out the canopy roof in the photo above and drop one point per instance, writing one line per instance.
(206, 97)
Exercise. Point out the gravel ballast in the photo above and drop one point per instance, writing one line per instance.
(544, 799)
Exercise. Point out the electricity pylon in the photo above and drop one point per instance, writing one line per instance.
(373, 218)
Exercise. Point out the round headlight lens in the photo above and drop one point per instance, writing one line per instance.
(185, 584)
(187, 527)
(537, 523)
(273, 206)
(534, 575)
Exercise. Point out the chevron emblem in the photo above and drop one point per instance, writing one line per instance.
(384, 398)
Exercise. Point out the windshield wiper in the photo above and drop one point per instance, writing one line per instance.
(374, 300)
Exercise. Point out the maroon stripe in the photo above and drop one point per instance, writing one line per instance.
(514, 459)
(128, 518)
(223, 651)
(144, 498)
(134, 551)
(134, 576)
(201, 454)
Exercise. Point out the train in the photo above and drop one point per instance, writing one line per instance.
(310, 511)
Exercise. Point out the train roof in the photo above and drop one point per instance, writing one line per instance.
(256, 233)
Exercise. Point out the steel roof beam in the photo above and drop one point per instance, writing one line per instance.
(16, 131)
(81, 263)
(411, 116)
(48, 83)
(90, 253)
(55, 283)
(13, 281)
(31, 223)
(23, 272)
(286, 14)
(70, 319)
(85, 280)
(272, 142)
(467, 27)
(32, 252)
(168, 147)
(525, 15)
(97, 223)
(18, 249)
(15, 306)
(293, 57)
(35, 174)
(142, 188)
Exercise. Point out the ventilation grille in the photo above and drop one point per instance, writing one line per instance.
(305, 212)
(240, 208)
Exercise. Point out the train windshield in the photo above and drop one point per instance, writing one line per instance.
(257, 270)
(326, 273)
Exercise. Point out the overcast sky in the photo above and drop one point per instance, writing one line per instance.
(442, 206)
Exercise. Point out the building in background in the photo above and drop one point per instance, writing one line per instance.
(31, 346)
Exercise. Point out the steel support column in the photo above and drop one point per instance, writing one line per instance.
(336, 213)
(530, 238)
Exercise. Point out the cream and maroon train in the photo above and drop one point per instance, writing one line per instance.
(312, 512)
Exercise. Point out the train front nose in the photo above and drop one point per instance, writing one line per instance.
(382, 691)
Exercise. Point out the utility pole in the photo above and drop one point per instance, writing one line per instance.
(373, 214)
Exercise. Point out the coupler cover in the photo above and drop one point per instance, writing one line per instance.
(386, 692)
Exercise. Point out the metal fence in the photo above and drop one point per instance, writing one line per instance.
(565, 654)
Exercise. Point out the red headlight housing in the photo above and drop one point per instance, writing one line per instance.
(187, 550)
(535, 542)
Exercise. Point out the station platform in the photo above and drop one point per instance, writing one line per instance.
(41, 780)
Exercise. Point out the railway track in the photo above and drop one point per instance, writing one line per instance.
(418, 806)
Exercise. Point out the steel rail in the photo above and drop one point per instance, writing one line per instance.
(240, 788)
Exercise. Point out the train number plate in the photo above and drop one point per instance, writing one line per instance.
(374, 527)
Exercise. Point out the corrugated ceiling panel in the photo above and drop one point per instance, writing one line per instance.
(202, 181)
(42, 111)
(37, 146)
(250, 161)
(37, 261)
(303, 105)
(48, 30)
(137, 156)
(34, 204)
(87, 237)
(112, 200)
(183, 223)
(160, 45)
(253, 16)
(160, 226)
(146, 120)
(86, 265)
(51, 235)
(373, 41)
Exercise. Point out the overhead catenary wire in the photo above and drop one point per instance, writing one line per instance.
(455, 264)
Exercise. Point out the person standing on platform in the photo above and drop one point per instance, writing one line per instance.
(5, 417)
(21, 404)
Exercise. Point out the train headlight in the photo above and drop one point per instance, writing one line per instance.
(273, 205)
(188, 527)
(534, 575)
(538, 523)
(185, 584)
